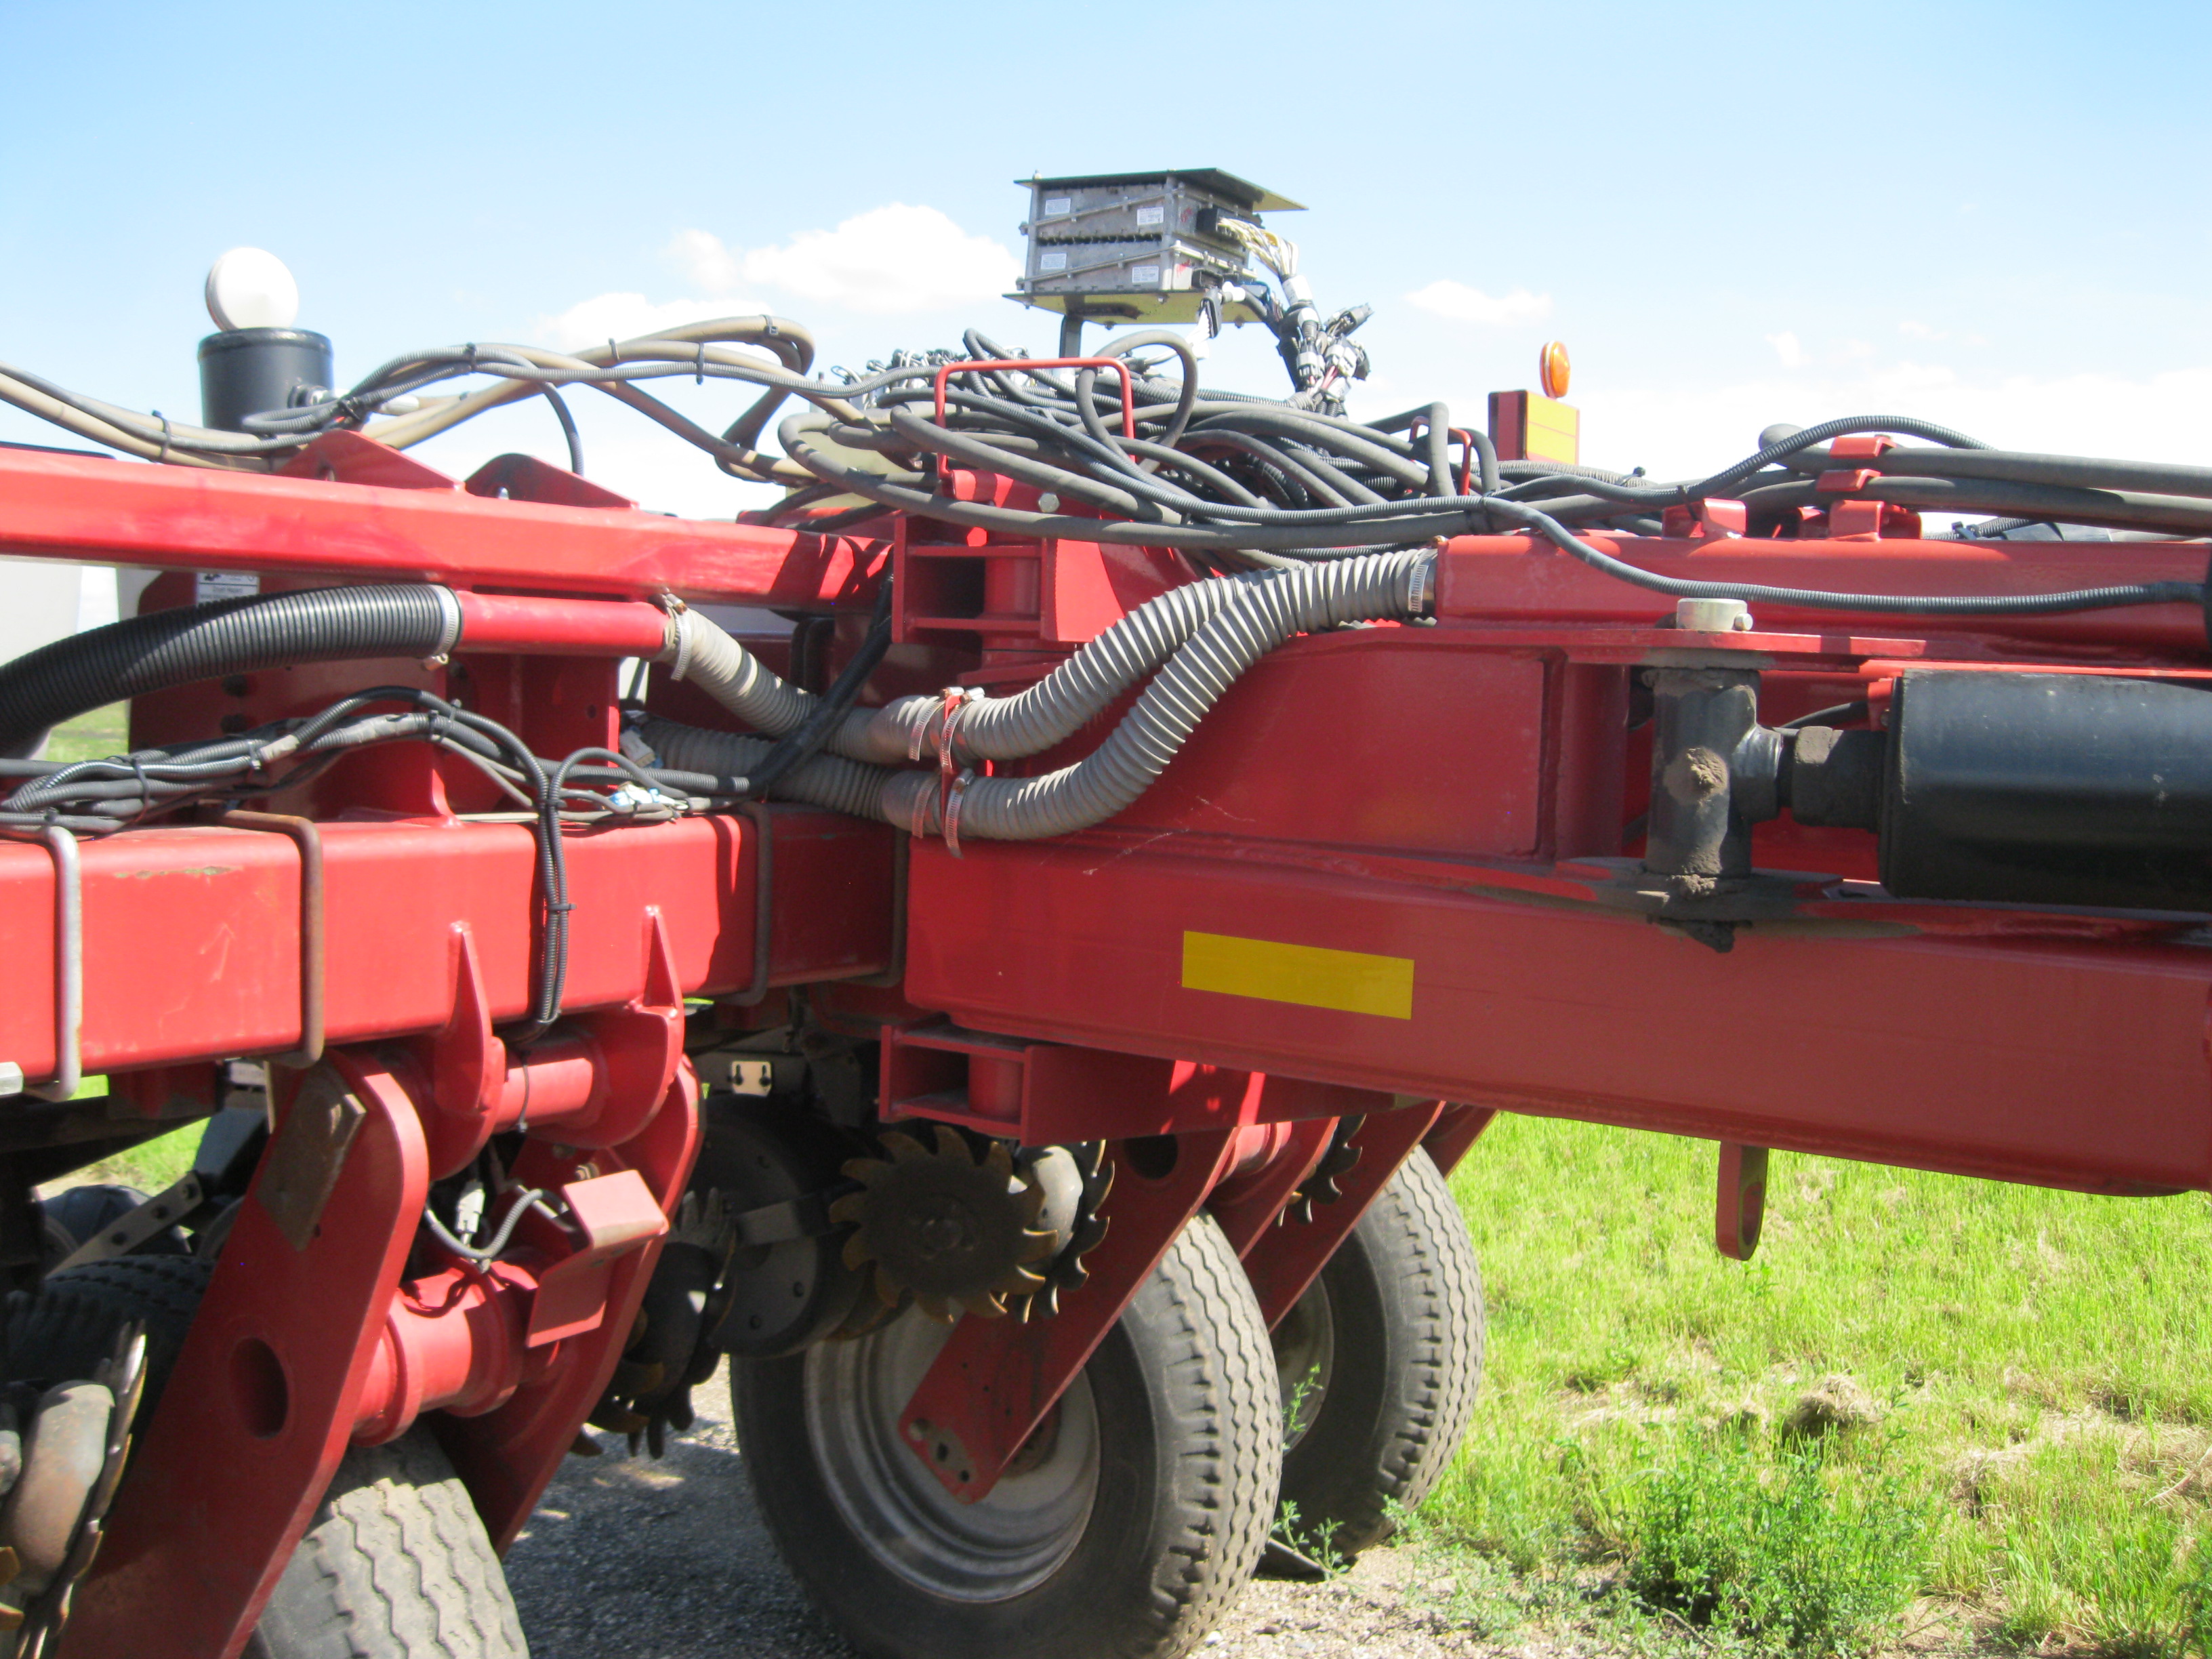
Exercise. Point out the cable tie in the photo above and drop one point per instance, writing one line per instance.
(948, 717)
(162, 459)
(917, 819)
(613, 352)
(956, 792)
(699, 366)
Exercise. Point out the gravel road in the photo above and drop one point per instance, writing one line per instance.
(669, 1560)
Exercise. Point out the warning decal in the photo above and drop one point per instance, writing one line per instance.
(1314, 978)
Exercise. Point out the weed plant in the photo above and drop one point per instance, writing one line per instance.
(1959, 1410)
(1775, 1552)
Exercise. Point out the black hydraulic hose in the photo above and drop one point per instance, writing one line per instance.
(1903, 604)
(1296, 469)
(805, 740)
(1783, 448)
(2181, 514)
(168, 648)
(1438, 443)
(2014, 467)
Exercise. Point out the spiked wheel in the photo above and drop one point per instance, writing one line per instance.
(958, 1232)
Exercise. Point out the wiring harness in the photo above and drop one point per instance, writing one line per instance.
(1298, 518)
(1233, 481)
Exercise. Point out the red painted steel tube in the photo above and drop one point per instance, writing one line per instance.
(260, 1408)
(453, 1341)
(66, 506)
(582, 628)
(2066, 1062)
(1128, 393)
(192, 943)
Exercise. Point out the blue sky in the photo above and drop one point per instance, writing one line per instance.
(1991, 214)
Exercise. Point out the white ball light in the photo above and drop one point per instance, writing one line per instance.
(249, 288)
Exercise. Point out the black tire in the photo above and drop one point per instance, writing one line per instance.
(1389, 1341)
(1178, 1409)
(67, 1326)
(396, 1565)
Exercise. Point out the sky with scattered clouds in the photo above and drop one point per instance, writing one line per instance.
(1992, 213)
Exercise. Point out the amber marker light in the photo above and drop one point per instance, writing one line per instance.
(1552, 364)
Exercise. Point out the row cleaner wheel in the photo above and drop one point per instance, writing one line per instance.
(960, 1230)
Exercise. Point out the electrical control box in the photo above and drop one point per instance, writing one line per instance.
(1139, 246)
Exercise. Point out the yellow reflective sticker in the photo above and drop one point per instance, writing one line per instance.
(1307, 975)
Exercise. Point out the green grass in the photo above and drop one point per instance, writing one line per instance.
(149, 1166)
(155, 1164)
(152, 1164)
(2032, 1463)
(95, 736)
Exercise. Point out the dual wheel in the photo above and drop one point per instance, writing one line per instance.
(1140, 1508)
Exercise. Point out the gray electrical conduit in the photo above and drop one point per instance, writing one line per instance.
(989, 728)
(1252, 615)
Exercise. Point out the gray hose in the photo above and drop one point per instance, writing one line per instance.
(1236, 622)
(1262, 612)
(991, 728)
(2074, 472)
(701, 653)
(2180, 514)
(1056, 707)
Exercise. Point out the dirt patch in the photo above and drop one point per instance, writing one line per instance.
(669, 1561)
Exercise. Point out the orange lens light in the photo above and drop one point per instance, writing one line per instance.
(1552, 364)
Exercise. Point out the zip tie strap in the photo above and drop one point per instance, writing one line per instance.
(955, 792)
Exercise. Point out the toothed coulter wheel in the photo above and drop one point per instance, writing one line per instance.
(963, 1230)
(1321, 1187)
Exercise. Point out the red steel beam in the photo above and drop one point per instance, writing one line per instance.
(2067, 1062)
(66, 506)
(192, 935)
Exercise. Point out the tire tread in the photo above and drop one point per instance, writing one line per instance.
(397, 1565)
(1410, 1264)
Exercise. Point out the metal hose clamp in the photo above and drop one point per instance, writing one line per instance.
(679, 618)
(449, 622)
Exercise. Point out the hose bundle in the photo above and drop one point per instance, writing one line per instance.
(1233, 625)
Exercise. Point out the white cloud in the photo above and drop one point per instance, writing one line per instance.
(886, 262)
(712, 268)
(624, 316)
(1686, 429)
(1914, 331)
(1462, 304)
(1787, 348)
